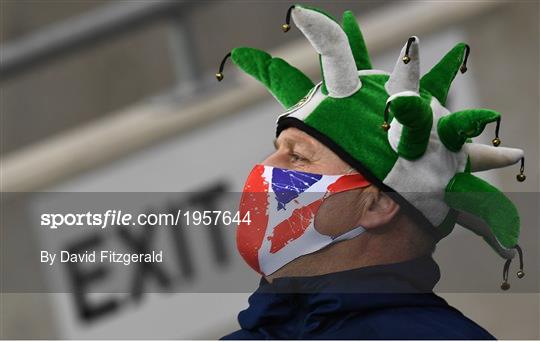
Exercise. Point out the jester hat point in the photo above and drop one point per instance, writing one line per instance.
(394, 127)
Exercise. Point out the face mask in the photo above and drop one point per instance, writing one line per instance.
(282, 206)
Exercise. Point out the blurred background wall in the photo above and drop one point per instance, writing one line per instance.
(120, 96)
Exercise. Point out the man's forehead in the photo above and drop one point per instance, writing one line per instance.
(294, 136)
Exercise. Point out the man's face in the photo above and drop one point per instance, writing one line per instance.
(299, 151)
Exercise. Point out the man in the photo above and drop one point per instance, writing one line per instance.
(370, 171)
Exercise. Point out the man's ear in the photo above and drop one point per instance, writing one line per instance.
(379, 210)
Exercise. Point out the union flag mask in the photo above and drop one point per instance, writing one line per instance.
(282, 206)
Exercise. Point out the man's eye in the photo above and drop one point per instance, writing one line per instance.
(297, 158)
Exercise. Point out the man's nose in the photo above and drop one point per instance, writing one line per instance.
(276, 159)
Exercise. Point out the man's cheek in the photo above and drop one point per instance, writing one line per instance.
(338, 214)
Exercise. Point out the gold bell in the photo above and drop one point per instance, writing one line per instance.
(520, 274)
(219, 74)
(496, 141)
(286, 27)
(521, 176)
(385, 126)
(406, 59)
(505, 286)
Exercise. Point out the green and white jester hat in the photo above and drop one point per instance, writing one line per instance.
(394, 128)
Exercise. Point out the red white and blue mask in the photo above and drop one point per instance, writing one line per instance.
(282, 206)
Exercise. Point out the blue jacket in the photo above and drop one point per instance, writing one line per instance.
(390, 302)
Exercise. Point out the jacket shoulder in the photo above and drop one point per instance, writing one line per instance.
(433, 323)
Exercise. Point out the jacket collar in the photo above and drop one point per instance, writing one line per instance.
(305, 300)
(413, 276)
